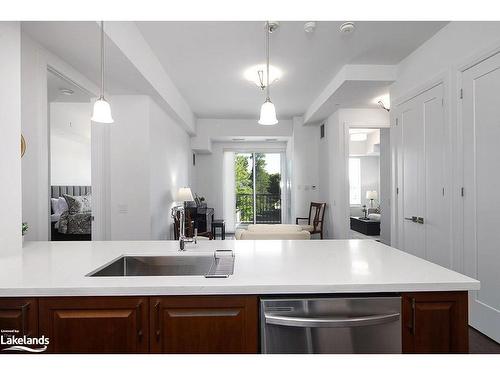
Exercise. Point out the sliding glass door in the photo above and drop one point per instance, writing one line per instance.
(258, 188)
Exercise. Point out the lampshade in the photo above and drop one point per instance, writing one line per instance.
(268, 113)
(371, 194)
(102, 112)
(184, 195)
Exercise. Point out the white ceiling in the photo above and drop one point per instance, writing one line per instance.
(54, 85)
(206, 60)
(77, 42)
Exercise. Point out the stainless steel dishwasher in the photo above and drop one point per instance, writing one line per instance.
(331, 325)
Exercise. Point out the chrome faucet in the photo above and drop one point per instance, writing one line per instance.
(182, 228)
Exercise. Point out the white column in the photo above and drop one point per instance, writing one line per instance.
(10, 137)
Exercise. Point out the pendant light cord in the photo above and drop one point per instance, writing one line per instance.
(102, 59)
(267, 59)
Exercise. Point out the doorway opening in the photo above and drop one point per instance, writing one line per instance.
(369, 181)
(258, 188)
(69, 110)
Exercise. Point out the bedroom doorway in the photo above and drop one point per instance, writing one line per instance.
(369, 181)
(70, 171)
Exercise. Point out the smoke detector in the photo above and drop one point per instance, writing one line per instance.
(309, 27)
(347, 27)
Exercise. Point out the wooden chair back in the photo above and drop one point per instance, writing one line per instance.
(317, 215)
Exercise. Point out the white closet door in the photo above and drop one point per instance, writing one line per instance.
(436, 211)
(481, 134)
(423, 185)
(412, 148)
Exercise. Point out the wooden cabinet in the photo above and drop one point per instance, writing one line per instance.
(19, 316)
(432, 322)
(435, 322)
(204, 324)
(95, 324)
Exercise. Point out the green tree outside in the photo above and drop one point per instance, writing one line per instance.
(265, 183)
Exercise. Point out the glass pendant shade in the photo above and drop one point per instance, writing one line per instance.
(268, 113)
(102, 112)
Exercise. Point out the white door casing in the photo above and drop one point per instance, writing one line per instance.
(480, 110)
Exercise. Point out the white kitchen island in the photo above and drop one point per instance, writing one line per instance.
(261, 267)
(45, 290)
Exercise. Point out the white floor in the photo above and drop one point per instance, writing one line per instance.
(361, 236)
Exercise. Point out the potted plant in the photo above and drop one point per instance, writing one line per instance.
(24, 229)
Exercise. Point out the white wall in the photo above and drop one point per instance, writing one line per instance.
(453, 45)
(220, 130)
(129, 147)
(148, 162)
(170, 155)
(305, 169)
(70, 146)
(10, 126)
(385, 187)
(324, 178)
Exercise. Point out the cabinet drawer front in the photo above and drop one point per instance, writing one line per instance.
(95, 325)
(204, 324)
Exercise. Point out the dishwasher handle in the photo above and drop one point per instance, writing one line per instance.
(329, 322)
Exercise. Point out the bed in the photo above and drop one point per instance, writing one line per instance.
(71, 223)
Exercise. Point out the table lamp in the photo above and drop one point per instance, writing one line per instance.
(184, 194)
(371, 195)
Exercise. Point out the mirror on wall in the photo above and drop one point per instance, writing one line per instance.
(70, 170)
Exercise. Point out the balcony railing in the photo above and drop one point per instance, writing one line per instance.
(268, 208)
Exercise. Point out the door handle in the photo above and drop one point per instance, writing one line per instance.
(138, 320)
(330, 322)
(24, 318)
(413, 219)
(157, 321)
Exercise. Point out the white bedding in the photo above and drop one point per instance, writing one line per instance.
(374, 217)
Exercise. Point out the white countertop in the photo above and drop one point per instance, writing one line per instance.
(261, 267)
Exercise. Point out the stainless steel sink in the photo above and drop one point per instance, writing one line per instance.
(216, 265)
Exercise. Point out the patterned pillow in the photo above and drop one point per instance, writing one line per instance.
(78, 204)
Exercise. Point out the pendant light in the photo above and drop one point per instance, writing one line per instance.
(102, 110)
(267, 111)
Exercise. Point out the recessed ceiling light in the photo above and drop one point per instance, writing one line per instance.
(65, 91)
(347, 27)
(252, 74)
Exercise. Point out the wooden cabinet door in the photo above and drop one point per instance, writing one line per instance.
(19, 317)
(435, 322)
(204, 324)
(95, 324)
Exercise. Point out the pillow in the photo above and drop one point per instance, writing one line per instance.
(78, 204)
(274, 228)
(59, 205)
(54, 203)
(62, 205)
